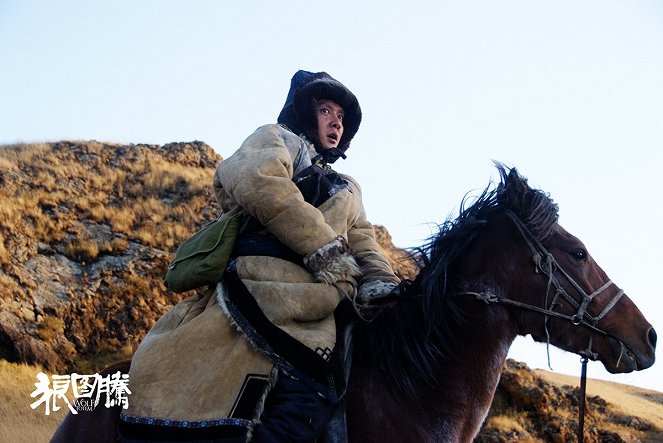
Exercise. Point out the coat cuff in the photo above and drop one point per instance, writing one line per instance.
(374, 290)
(333, 262)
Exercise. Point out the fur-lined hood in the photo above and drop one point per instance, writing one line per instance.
(298, 112)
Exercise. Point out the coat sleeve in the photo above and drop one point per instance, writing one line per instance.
(258, 177)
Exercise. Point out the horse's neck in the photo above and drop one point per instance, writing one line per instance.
(456, 408)
(469, 386)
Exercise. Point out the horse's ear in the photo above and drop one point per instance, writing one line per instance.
(513, 190)
(532, 206)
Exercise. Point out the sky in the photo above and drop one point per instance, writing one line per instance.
(569, 92)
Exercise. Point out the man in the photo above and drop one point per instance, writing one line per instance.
(281, 177)
(304, 246)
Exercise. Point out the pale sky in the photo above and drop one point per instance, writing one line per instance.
(570, 92)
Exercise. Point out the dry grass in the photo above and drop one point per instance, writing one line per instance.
(18, 422)
(21, 153)
(119, 219)
(50, 328)
(626, 401)
(168, 176)
(7, 164)
(146, 199)
(9, 286)
(4, 253)
(511, 424)
(82, 250)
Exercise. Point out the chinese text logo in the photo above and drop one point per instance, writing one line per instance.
(85, 389)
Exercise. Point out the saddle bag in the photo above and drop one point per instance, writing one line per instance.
(202, 258)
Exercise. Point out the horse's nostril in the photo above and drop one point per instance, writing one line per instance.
(652, 337)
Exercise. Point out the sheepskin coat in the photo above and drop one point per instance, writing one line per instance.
(192, 368)
(258, 180)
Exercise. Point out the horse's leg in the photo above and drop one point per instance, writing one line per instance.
(98, 425)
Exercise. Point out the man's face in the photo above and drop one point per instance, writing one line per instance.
(330, 123)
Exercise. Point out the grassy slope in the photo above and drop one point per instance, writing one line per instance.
(18, 422)
(629, 400)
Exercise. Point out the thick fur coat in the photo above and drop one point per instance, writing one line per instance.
(258, 179)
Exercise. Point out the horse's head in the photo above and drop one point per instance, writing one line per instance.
(568, 299)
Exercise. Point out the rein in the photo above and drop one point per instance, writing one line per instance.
(545, 263)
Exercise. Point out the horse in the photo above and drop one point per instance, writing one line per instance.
(427, 366)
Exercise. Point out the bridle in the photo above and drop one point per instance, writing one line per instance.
(545, 263)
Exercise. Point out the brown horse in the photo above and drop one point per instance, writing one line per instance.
(426, 369)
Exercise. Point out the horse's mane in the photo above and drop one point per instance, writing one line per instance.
(411, 341)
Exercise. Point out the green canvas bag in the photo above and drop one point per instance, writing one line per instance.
(202, 258)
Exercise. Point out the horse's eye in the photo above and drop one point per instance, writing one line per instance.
(578, 255)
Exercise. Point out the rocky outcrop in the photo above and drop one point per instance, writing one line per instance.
(87, 230)
(528, 408)
(401, 260)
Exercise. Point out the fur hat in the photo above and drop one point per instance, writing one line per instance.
(299, 111)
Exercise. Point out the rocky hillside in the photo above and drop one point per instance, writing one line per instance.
(540, 406)
(87, 230)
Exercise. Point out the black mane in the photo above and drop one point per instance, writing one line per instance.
(411, 341)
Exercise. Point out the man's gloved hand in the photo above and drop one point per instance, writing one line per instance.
(333, 262)
(376, 292)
